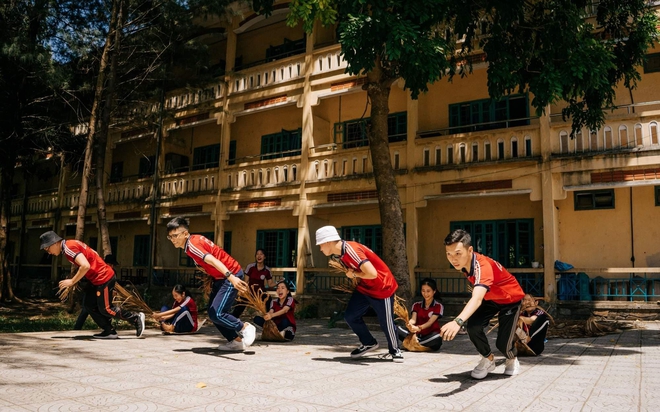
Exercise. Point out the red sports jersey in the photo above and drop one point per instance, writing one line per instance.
(353, 255)
(424, 314)
(257, 277)
(276, 306)
(99, 272)
(198, 246)
(189, 303)
(502, 287)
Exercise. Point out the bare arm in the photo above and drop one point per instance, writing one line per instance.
(215, 262)
(83, 267)
(449, 330)
(367, 271)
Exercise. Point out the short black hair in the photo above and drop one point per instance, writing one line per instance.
(176, 223)
(458, 236)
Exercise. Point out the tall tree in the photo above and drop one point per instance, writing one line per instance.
(545, 47)
(29, 80)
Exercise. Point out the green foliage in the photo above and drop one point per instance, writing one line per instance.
(550, 48)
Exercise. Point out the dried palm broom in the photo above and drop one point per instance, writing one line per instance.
(130, 300)
(256, 299)
(205, 284)
(339, 267)
(65, 293)
(411, 342)
(593, 328)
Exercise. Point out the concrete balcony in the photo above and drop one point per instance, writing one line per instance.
(132, 190)
(38, 203)
(269, 74)
(328, 60)
(188, 183)
(442, 149)
(262, 173)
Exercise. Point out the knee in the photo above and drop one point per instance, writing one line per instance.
(350, 317)
(473, 329)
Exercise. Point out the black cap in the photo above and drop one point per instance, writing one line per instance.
(49, 238)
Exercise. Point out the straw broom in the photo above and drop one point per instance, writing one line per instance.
(130, 300)
(256, 299)
(339, 267)
(411, 342)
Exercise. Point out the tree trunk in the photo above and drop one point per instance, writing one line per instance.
(118, 22)
(389, 203)
(93, 119)
(6, 177)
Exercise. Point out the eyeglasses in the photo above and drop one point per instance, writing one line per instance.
(175, 235)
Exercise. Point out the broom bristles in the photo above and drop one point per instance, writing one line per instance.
(130, 300)
(411, 342)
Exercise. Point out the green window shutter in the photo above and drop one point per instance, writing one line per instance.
(231, 160)
(141, 248)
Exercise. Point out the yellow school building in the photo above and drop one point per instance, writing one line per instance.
(276, 147)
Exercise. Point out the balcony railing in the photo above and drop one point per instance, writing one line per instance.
(328, 60)
(37, 203)
(614, 137)
(129, 190)
(263, 173)
(268, 74)
(186, 183)
(441, 150)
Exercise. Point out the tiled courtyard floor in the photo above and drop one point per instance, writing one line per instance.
(67, 371)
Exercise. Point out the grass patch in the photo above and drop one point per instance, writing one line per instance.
(40, 323)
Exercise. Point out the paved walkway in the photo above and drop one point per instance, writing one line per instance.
(66, 371)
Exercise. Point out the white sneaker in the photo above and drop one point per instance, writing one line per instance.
(512, 367)
(233, 346)
(249, 333)
(485, 365)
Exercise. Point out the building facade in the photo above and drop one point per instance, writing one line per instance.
(277, 148)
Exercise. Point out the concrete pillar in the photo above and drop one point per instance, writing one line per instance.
(550, 218)
(304, 210)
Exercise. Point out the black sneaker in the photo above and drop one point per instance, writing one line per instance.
(363, 349)
(139, 325)
(106, 334)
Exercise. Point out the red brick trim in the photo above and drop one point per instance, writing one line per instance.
(348, 84)
(192, 119)
(127, 215)
(352, 196)
(255, 204)
(265, 102)
(625, 175)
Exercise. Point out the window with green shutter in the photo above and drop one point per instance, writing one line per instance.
(206, 157)
(283, 144)
(488, 114)
(510, 242)
(353, 133)
(141, 250)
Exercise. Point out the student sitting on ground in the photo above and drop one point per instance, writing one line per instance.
(182, 318)
(532, 326)
(425, 316)
(281, 311)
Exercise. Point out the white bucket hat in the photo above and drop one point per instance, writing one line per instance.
(327, 234)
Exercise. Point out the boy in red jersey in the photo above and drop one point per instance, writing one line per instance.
(228, 281)
(98, 295)
(375, 289)
(495, 292)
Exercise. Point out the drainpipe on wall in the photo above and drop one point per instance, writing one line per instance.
(632, 231)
